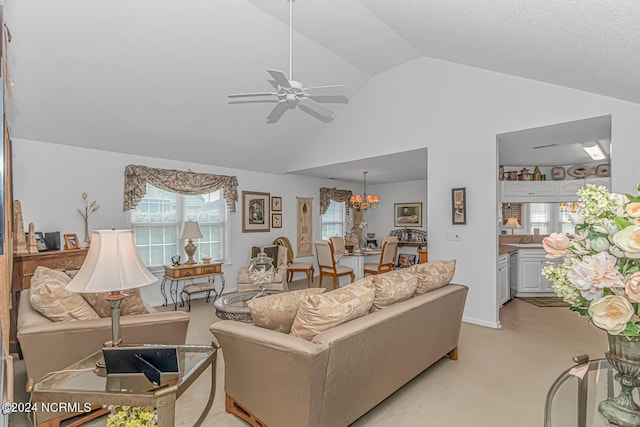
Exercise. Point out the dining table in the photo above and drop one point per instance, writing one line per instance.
(356, 260)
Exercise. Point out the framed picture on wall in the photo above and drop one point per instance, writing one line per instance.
(255, 211)
(407, 214)
(458, 206)
(276, 220)
(276, 203)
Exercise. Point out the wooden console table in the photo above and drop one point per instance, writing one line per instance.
(174, 273)
(23, 268)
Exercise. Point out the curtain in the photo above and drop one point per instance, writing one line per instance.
(329, 194)
(190, 183)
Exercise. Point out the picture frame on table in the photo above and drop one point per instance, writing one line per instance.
(40, 242)
(256, 211)
(407, 214)
(458, 206)
(276, 220)
(276, 203)
(71, 241)
(406, 260)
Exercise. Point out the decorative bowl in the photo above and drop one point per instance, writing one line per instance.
(371, 235)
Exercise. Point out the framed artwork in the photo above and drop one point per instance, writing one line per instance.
(406, 260)
(255, 211)
(42, 246)
(407, 214)
(304, 226)
(276, 203)
(276, 220)
(71, 241)
(458, 206)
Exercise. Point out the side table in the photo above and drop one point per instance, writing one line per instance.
(574, 397)
(173, 274)
(82, 383)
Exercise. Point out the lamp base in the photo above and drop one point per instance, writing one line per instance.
(115, 301)
(190, 250)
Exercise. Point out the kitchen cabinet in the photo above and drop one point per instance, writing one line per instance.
(528, 188)
(530, 279)
(547, 191)
(503, 279)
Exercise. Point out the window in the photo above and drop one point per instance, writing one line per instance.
(539, 217)
(333, 220)
(157, 219)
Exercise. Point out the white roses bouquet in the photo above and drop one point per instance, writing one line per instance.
(600, 275)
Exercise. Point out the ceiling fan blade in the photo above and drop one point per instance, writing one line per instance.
(277, 111)
(313, 105)
(335, 90)
(243, 95)
(280, 78)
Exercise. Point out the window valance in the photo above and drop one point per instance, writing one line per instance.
(329, 194)
(190, 183)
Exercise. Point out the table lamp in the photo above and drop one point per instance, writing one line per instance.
(190, 230)
(112, 265)
(512, 223)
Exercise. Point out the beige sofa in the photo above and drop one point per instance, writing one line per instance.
(48, 346)
(275, 379)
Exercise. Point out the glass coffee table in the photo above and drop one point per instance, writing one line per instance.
(83, 384)
(574, 397)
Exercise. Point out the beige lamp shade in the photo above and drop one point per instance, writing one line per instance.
(190, 230)
(112, 264)
(512, 223)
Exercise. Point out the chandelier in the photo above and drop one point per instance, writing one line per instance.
(366, 201)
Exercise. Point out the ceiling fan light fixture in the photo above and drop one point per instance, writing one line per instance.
(594, 150)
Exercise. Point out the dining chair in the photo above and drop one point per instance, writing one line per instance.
(295, 267)
(387, 259)
(327, 263)
(339, 247)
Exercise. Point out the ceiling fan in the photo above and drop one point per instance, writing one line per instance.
(291, 94)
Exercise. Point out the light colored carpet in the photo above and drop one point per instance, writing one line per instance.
(500, 379)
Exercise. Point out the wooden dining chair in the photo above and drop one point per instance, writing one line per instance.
(339, 247)
(295, 267)
(327, 263)
(387, 261)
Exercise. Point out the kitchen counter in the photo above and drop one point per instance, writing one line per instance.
(505, 248)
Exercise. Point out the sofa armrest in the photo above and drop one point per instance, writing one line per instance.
(72, 340)
(265, 369)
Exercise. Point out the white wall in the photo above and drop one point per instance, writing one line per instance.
(49, 179)
(456, 112)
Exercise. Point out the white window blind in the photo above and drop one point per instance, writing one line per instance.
(333, 220)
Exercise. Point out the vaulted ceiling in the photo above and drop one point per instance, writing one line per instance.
(150, 77)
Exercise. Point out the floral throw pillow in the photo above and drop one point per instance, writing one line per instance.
(433, 275)
(130, 305)
(277, 311)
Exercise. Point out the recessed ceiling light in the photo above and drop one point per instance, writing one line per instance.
(594, 150)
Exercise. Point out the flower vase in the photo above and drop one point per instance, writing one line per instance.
(624, 357)
(87, 239)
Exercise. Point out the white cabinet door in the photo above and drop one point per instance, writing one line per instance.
(606, 182)
(528, 188)
(567, 190)
(503, 279)
(529, 274)
(530, 265)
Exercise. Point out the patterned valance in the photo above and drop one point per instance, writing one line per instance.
(190, 183)
(329, 194)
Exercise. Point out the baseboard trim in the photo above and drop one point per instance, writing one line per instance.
(480, 322)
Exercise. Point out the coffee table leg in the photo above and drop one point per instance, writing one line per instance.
(212, 392)
(166, 408)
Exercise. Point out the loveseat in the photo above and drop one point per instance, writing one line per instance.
(48, 346)
(277, 379)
